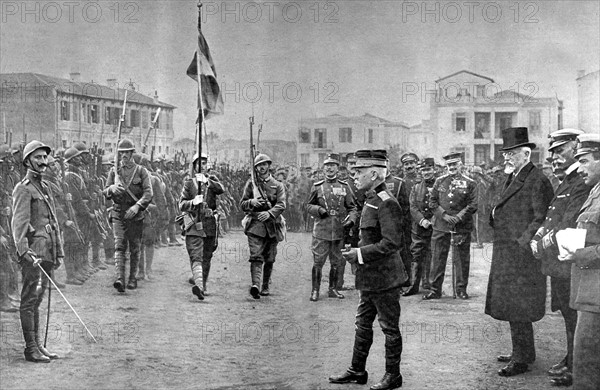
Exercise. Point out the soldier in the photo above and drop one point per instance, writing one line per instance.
(201, 235)
(332, 204)
(409, 170)
(562, 213)
(36, 233)
(129, 187)
(108, 161)
(422, 229)
(379, 273)
(453, 201)
(585, 271)
(263, 224)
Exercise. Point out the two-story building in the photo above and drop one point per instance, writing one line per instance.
(317, 137)
(588, 101)
(468, 113)
(60, 112)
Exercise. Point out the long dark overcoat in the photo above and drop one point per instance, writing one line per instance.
(516, 287)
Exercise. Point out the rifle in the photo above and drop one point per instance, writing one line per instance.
(152, 127)
(69, 203)
(120, 126)
(256, 190)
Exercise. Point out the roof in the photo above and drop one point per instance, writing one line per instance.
(337, 118)
(90, 89)
(464, 71)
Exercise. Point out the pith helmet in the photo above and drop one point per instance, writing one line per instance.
(32, 147)
(125, 145)
(261, 158)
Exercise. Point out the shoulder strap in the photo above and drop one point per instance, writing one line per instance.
(130, 181)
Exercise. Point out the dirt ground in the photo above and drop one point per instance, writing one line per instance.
(161, 337)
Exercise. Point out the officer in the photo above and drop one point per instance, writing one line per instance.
(333, 206)
(37, 236)
(263, 202)
(453, 201)
(128, 186)
(201, 235)
(410, 173)
(379, 273)
(421, 230)
(562, 213)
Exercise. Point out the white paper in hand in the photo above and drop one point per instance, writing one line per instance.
(569, 240)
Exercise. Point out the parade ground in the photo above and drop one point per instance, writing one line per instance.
(160, 336)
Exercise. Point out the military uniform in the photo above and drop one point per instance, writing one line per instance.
(454, 195)
(128, 232)
(332, 204)
(201, 237)
(401, 191)
(36, 233)
(263, 237)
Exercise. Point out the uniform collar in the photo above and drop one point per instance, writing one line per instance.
(34, 176)
(572, 168)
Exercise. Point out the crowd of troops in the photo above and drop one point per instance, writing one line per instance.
(396, 232)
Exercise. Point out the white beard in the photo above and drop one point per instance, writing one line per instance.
(509, 168)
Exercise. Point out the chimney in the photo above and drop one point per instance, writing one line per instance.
(580, 73)
(111, 83)
(155, 96)
(75, 76)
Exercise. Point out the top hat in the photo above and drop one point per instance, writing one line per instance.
(515, 137)
(561, 137)
(588, 143)
(332, 158)
(371, 158)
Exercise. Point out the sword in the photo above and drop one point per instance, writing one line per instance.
(453, 249)
(48, 314)
(62, 295)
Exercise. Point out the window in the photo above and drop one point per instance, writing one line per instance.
(94, 114)
(112, 115)
(108, 147)
(152, 115)
(535, 118)
(135, 118)
(460, 121)
(144, 115)
(370, 136)
(482, 125)
(84, 113)
(304, 135)
(346, 134)
(482, 154)
(304, 159)
(64, 144)
(65, 111)
(322, 157)
(480, 91)
(320, 140)
(504, 120)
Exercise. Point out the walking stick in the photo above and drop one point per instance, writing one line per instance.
(48, 313)
(62, 295)
(453, 249)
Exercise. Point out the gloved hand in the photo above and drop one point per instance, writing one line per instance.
(197, 200)
(117, 190)
(461, 215)
(533, 244)
(451, 219)
(58, 262)
(31, 257)
(323, 213)
(425, 223)
(351, 255)
(548, 240)
(132, 211)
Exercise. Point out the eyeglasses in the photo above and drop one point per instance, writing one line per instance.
(509, 153)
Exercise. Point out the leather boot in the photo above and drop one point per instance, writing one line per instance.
(255, 273)
(267, 269)
(388, 382)
(132, 283)
(351, 375)
(32, 352)
(140, 274)
(333, 293)
(149, 261)
(205, 272)
(415, 278)
(70, 269)
(316, 283)
(197, 275)
(119, 283)
(38, 338)
(96, 263)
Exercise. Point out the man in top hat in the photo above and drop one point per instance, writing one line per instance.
(422, 227)
(562, 213)
(379, 273)
(585, 271)
(516, 290)
(36, 233)
(332, 204)
(453, 201)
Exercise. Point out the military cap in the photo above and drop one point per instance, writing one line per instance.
(332, 158)
(562, 136)
(515, 137)
(588, 143)
(427, 162)
(410, 156)
(453, 157)
(371, 158)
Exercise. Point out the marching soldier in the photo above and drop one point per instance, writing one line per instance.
(129, 187)
(263, 223)
(105, 208)
(37, 236)
(562, 213)
(421, 231)
(379, 273)
(201, 235)
(453, 201)
(332, 205)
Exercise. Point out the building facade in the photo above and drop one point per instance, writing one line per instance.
(317, 137)
(60, 112)
(468, 113)
(588, 99)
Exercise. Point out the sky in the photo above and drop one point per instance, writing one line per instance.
(287, 60)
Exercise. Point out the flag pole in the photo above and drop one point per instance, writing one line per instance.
(200, 101)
